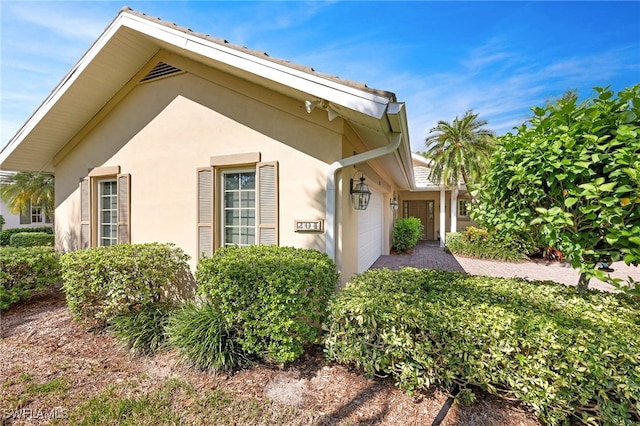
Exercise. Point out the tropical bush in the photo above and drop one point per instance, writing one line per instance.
(143, 330)
(5, 235)
(204, 339)
(275, 298)
(570, 177)
(406, 233)
(24, 270)
(478, 243)
(568, 356)
(103, 282)
(31, 239)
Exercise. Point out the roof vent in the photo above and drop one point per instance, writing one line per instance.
(161, 70)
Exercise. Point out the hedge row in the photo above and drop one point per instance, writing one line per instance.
(478, 243)
(259, 302)
(568, 356)
(32, 239)
(5, 235)
(24, 270)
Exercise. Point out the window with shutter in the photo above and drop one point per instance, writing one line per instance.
(25, 215)
(247, 212)
(105, 203)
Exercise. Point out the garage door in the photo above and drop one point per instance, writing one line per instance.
(370, 234)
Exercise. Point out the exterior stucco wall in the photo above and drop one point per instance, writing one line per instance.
(164, 130)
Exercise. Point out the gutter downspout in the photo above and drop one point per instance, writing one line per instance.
(330, 249)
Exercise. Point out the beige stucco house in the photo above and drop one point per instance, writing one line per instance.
(162, 134)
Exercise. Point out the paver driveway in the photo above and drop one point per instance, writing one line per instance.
(430, 255)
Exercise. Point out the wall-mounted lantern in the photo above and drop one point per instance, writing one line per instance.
(360, 194)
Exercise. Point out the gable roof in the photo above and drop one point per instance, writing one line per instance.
(133, 39)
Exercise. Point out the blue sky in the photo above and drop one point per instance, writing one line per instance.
(441, 58)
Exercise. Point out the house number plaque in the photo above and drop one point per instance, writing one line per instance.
(309, 225)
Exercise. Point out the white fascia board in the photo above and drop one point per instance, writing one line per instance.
(332, 91)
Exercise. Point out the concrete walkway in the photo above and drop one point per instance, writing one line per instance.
(430, 255)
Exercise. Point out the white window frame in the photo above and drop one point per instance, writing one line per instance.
(37, 213)
(224, 208)
(100, 210)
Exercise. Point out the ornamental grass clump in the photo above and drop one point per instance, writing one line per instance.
(570, 357)
(204, 340)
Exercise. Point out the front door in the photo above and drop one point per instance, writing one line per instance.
(423, 210)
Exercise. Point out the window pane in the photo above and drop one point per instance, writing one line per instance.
(232, 200)
(248, 199)
(231, 181)
(248, 181)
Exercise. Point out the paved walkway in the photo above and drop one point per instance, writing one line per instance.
(430, 255)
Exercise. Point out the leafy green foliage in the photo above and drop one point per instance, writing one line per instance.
(24, 270)
(32, 239)
(568, 356)
(103, 282)
(571, 179)
(275, 297)
(478, 243)
(142, 331)
(5, 236)
(406, 233)
(204, 339)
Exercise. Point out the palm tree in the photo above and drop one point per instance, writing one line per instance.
(459, 150)
(21, 190)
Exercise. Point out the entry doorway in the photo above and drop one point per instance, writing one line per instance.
(425, 211)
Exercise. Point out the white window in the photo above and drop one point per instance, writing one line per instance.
(107, 213)
(239, 207)
(37, 215)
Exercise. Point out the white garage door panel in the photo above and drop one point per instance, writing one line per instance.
(370, 225)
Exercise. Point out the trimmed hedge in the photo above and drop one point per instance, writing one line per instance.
(568, 356)
(5, 235)
(406, 233)
(32, 239)
(24, 270)
(103, 282)
(478, 243)
(275, 298)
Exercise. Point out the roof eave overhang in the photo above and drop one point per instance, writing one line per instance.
(41, 151)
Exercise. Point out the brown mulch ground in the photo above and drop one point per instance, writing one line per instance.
(39, 338)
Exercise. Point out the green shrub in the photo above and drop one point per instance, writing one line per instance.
(570, 357)
(406, 233)
(31, 239)
(142, 331)
(275, 297)
(23, 270)
(5, 236)
(204, 339)
(475, 242)
(103, 282)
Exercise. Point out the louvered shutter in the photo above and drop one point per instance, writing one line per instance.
(124, 208)
(267, 203)
(85, 214)
(205, 212)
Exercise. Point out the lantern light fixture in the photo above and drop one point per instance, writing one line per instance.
(360, 193)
